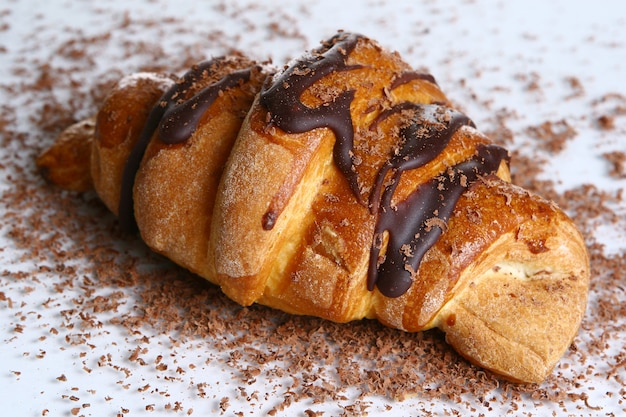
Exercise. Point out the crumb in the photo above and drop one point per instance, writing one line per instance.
(617, 159)
(552, 136)
(606, 122)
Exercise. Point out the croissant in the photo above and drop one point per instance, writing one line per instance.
(345, 186)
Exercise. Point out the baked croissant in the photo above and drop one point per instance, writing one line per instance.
(343, 186)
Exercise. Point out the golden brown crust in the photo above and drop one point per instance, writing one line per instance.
(292, 225)
(175, 186)
(119, 124)
(66, 162)
(517, 306)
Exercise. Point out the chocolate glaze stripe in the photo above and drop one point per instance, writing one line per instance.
(180, 120)
(286, 111)
(423, 140)
(413, 226)
(408, 76)
(282, 100)
(176, 119)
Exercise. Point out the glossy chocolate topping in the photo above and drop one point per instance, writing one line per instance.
(421, 142)
(176, 116)
(415, 224)
(181, 116)
(282, 100)
(408, 76)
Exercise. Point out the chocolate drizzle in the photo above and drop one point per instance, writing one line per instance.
(181, 116)
(432, 128)
(282, 100)
(176, 117)
(408, 76)
(412, 226)
(415, 224)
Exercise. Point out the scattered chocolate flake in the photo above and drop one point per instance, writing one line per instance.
(606, 122)
(617, 159)
(552, 136)
(577, 87)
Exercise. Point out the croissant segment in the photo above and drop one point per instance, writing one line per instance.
(343, 186)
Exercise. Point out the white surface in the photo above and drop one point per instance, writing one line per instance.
(494, 47)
